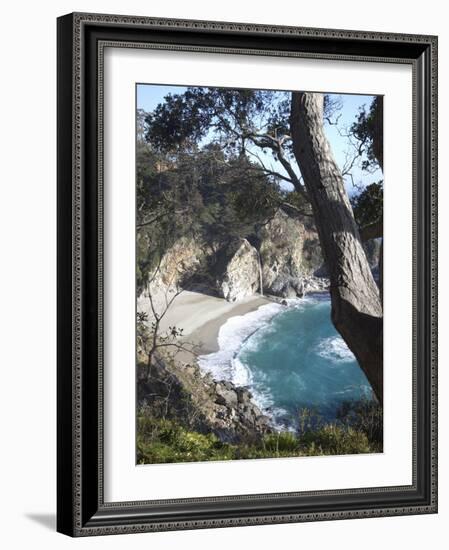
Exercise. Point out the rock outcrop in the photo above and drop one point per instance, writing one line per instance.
(237, 271)
(372, 251)
(282, 258)
(185, 257)
(235, 414)
(290, 253)
(178, 390)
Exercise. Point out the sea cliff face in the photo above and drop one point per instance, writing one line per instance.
(237, 271)
(179, 262)
(280, 258)
(290, 254)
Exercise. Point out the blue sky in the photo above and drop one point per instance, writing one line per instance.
(150, 95)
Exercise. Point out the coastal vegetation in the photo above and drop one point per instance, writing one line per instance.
(161, 440)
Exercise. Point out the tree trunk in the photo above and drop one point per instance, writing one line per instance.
(356, 305)
(378, 132)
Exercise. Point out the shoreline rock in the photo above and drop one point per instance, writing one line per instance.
(200, 402)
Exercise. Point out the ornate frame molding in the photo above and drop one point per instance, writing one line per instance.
(81, 42)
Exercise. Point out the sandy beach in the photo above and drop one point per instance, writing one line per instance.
(201, 316)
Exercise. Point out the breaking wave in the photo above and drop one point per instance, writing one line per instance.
(335, 349)
(223, 364)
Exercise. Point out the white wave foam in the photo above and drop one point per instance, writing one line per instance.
(225, 364)
(233, 334)
(244, 332)
(335, 349)
(362, 389)
(261, 395)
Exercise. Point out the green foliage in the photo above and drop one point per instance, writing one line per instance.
(332, 439)
(298, 201)
(368, 205)
(182, 120)
(198, 194)
(358, 430)
(200, 171)
(254, 197)
(232, 117)
(281, 442)
(364, 416)
(160, 440)
(368, 129)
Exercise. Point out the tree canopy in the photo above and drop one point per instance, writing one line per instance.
(203, 193)
(368, 129)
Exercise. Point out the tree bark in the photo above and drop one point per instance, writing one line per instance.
(356, 305)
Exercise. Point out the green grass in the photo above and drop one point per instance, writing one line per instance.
(162, 441)
(167, 441)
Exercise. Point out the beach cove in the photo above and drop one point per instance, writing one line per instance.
(289, 355)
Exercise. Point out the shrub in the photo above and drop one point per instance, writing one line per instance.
(162, 441)
(281, 442)
(331, 439)
(365, 416)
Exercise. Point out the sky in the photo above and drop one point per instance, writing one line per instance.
(150, 95)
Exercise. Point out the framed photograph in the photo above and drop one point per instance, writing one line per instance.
(247, 274)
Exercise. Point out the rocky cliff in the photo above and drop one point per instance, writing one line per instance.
(280, 258)
(184, 258)
(290, 254)
(237, 270)
(180, 390)
(372, 251)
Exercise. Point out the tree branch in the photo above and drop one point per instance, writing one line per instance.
(268, 171)
(296, 210)
(276, 145)
(159, 216)
(372, 231)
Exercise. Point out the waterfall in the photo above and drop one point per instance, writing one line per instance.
(260, 274)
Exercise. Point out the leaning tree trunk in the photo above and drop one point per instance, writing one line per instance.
(356, 305)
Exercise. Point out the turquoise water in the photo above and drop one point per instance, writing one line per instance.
(297, 360)
(290, 357)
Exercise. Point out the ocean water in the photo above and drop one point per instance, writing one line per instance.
(290, 357)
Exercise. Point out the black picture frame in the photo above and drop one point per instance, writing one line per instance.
(81, 510)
